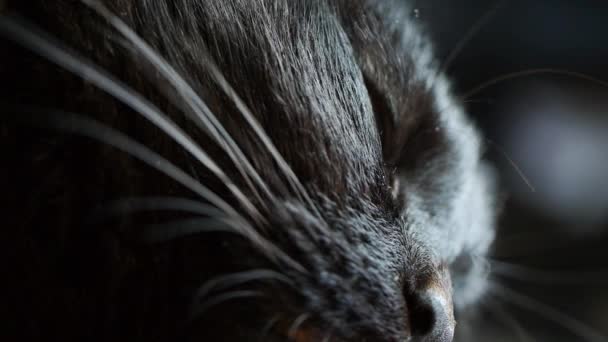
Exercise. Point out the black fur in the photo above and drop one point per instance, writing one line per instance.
(348, 93)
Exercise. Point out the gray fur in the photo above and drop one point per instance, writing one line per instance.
(350, 95)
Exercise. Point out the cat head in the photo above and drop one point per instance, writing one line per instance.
(324, 135)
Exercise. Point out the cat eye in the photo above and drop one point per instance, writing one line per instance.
(416, 138)
(383, 115)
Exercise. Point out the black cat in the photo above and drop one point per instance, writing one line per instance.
(235, 170)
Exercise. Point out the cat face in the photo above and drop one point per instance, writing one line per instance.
(340, 195)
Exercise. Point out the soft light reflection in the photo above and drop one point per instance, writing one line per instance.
(561, 145)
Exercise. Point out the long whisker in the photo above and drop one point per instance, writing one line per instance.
(139, 204)
(267, 329)
(512, 163)
(235, 279)
(532, 72)
(262, 135)
(508, 319)
(163, 232)
(223, 83)
(80, 125)
(469, 35)
(547, 312)
(90, 128)
(529, 244)
(62, 56)
(524, 73)
(201, 309)
(292, 332)
(529, 274)
(206, 120)
(518, 170)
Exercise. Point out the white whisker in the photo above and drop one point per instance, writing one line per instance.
(269, 326)
(90, 128)
(163, 232)
(508, 319)
(138, 204)
(547, 312)
(206, 120)
(200, 309)
(534, 72)
(84, 126)
(518, 170)
(62, 56)
(469, 35)
(235, 279)
(529, 274)
(259, 131)
(292, 332)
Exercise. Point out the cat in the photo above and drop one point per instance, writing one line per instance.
(231, 170)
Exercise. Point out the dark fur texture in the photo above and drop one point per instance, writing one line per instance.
(392, 192)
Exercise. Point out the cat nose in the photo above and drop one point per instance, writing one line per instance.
(430, 310)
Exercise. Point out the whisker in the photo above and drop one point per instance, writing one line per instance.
(529, 274)
(262, 135)
(235, 279)
(180, 84)
(512, 163)
(52, 50)
(532, 72)
(547, 312)
(529, 243)
(469, 35)
(201, 309)
(524, 73)
(508, 319)
(138, 204)
(80, 125)
(518, 170)
(207, 121)
(90, 128)
(163, 232)
(272, 322)
(292, 332)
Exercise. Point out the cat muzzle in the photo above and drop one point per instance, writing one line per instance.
(431, 310)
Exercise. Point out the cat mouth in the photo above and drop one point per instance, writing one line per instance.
(432, 306)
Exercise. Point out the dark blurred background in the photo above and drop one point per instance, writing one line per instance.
(547, 133)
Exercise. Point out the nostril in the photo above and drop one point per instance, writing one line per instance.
(430, 315)
(421, 315)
